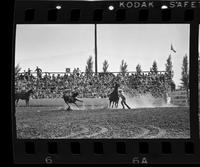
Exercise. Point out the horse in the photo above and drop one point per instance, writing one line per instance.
(71, 99)
(23, 96)
(114, 97)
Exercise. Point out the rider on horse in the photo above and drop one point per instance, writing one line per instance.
(114, 97)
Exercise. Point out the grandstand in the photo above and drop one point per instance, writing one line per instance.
(52, 84)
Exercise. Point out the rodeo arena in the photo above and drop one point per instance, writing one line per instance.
(52, 105)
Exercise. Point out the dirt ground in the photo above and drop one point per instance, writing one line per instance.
(48, 118)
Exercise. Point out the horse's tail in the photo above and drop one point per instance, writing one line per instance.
(110, 96)
(64, 97)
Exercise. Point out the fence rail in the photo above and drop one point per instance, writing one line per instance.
(180, 98)
(63, 73)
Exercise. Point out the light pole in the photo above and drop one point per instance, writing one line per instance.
(95, 40)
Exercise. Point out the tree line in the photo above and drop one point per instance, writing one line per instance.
(153, 69)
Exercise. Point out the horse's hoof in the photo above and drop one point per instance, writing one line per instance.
(69, 109)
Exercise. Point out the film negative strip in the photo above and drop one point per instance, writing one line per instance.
(106, 82)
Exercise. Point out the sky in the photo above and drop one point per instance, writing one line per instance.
(56, 47)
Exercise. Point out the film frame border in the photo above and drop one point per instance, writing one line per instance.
(78, 151)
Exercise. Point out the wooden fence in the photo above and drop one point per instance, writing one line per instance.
(179, 97)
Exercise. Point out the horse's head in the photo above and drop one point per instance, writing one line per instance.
(75, 94)
(30, 91)
(117, 85)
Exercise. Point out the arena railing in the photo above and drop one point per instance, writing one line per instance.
(93, 73)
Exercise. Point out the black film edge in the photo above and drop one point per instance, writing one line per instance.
(160, 122)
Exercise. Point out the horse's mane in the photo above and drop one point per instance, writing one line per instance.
(31, 90)
(75, 94)
(24, 92)
(116, 88)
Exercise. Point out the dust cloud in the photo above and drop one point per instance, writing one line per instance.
(146, 101)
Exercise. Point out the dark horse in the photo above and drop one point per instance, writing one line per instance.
(71, 99)
(23, 96)
(114, 97)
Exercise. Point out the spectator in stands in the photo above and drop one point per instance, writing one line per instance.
(39, 72)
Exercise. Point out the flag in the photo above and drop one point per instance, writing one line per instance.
(172, 48)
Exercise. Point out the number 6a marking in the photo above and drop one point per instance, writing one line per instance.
(48, 160)
(135, 160)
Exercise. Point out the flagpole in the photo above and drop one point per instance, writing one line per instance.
(95, 40)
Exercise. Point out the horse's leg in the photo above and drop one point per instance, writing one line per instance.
(26, 103)
(68, 107)
(66, 104)
(112, 104)
(109, 103)
(16, 102)
(116, 104)
(76, 104)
